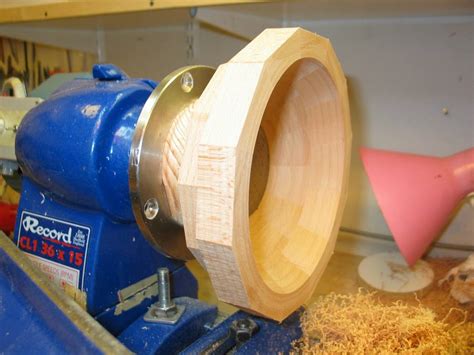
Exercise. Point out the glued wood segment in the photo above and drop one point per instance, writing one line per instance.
(289, 83)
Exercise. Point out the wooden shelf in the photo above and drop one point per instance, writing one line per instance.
(16, 11)
(89, 14)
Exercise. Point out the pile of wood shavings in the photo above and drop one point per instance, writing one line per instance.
(361, 324)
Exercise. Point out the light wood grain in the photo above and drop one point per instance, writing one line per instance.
(289, 83)
(38, 10)
(173, 155)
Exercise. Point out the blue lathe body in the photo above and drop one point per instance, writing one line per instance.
(76, 224)
(75, 217)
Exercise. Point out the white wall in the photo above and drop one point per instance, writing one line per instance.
(402, 73)
(155, 52)
(149, 53)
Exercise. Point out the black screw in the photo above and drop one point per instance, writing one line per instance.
(240, 331)
(244, 329)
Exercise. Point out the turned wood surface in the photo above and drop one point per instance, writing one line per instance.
(173, 153)
(289, 83)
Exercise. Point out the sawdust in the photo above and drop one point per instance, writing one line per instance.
(436, 297)
(361, 324)
(430, 322)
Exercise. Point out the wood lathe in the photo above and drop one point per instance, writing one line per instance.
(244, 168)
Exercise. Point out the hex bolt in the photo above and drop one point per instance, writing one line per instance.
(164, 293)
(165, 310)
(244, 329)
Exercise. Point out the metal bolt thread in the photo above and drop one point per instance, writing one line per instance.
(164, 293)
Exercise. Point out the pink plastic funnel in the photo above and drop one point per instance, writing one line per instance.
(418, 193)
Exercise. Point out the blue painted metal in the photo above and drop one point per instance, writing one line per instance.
(73, 150)
(108, 72)
(151, 338)
(77, 143)
(272, 337)
(30, 323)
(117, 255)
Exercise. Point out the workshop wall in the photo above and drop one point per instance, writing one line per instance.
(33, 63)
(154, 53)
(151, 53)
(401, 73)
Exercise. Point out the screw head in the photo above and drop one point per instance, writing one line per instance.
(244, 329)
(187, 82)
(151, 208)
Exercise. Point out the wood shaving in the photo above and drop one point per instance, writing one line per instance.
(361, 324)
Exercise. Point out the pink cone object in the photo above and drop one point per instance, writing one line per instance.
(417, 193)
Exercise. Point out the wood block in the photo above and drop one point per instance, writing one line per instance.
(288, 83)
